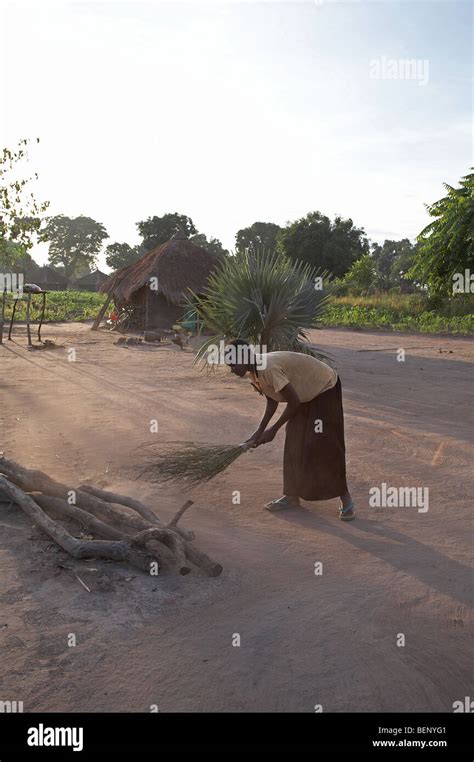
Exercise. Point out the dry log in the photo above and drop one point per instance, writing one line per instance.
(179, 513)
(141, 508)
(34, 480)
(201, 560)
(169, 538)
(79, 549)
(130, 502)
(61, 509)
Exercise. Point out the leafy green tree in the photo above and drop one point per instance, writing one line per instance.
(213, 245)
(74, 243)
(392, 261)
(447, 243)
(261, 236)
(157, 230)
(14, 257)
(20, 212)
(119, 255)
(263, 297)
(332, 246)
(361, 277)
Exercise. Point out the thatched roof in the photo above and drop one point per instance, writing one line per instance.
(178, 264)
(45, 275)
(95, 278)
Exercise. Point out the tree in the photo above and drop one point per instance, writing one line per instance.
(259, 236)
(15, 257)
(392, 260)
(73, 242)
(20, 212)
(119, 255)
(158, 230)
(213, 245)
(446, 244)
(332, 246)
(362, 276)
(263, 297)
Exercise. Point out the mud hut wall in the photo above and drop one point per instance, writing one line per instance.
(161, 312)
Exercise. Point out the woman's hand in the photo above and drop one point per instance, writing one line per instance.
(253, 438)
(266, 436)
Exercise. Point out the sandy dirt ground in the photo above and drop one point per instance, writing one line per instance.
(306, 639)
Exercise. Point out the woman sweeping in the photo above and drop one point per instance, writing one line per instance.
(314, 464)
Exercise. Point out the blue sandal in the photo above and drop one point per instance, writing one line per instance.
(348, 513)
(279, 504)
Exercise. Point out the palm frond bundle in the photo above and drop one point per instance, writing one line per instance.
(264, 297)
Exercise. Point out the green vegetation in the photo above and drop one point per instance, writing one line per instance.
(265, 292)
(60, 306)
(402, 312)
(447, 243)
(74, 243)
(322, 243)
(20, 212)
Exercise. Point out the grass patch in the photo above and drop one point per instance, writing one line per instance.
(403, 312)
(60, 306)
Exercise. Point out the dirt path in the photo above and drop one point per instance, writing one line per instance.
(305, 639)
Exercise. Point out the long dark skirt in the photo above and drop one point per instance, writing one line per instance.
(314, 463)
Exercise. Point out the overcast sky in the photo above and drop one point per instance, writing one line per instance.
(240, 111)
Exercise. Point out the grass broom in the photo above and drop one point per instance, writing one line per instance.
(197, 463)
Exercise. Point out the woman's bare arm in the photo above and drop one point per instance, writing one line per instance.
(267, 416)
(293, 402)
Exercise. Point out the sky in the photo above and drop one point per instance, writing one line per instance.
(236, 112)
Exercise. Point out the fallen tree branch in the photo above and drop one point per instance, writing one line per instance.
(79, 549)
(168, 538)
(139, 507)
(179, 513)
(98, 513)
(61, 509)
(130, 502)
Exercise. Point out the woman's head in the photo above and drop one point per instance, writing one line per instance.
(240, 357)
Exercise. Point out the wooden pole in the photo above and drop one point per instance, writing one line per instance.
(28, 329)
(146, 310)
(2, 315)
(101, 314)
(11, 320)
(43, 307)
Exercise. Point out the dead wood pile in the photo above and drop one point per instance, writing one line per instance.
(124, 529)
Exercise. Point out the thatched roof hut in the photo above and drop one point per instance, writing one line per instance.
(46, 278)
(90, 281)
(178, 267)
